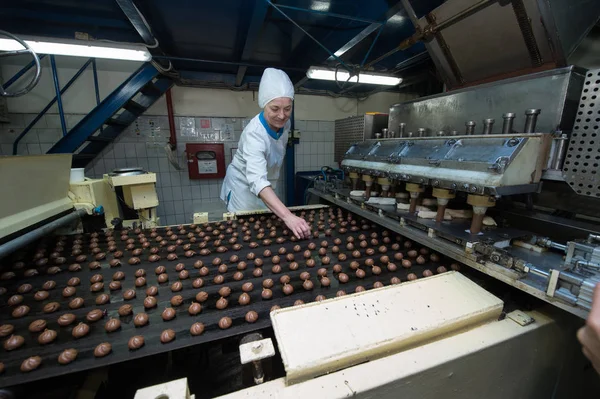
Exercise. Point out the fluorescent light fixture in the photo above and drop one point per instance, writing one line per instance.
(80, 48)
(343, 75)
(320, 5)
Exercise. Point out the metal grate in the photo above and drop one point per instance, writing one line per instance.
(347, 132)
(583, 157)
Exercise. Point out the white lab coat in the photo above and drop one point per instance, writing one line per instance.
(256, 165)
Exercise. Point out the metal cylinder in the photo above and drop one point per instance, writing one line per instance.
(21, 241)
(421, 132)
(441, 133)
(531, 116)
(559, 152)
(470, 125)
(410, 134)
(377, 135)
(507, 125)
(402, 129)
(454, 133)
(385, 133)
(488, 126)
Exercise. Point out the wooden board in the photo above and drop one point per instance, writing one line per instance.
(319, 338)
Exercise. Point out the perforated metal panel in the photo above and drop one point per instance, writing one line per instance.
(583, 157)
(347, 132)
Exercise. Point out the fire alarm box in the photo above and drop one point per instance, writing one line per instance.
(205, 161)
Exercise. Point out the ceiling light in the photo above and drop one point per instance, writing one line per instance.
(319, 5)
(343, 76)
(80, 48)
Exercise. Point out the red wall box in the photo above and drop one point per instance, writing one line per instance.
(205, 161)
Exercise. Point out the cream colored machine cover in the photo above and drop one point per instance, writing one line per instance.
(34, 188)
(320, 338)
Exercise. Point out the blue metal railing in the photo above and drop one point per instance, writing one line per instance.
(22, 72)
(53, 101)
(61, 111)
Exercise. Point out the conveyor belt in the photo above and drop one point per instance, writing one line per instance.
(209, 316)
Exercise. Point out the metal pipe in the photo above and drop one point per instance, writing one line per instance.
(470, 125)
(138, 21)
(488, 126)
(507, 125)
(531, 116)
(173, 134)
(441, 133)
(372, 45)
(402, 129)
(21, 241)
(329, 14)
(421, 132)
(96, 87)
(338, 59)
(47, 107)
(22, 72)
(61, 112)
(559, 152)
(205, 61)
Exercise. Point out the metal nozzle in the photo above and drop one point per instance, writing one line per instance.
(401, 129)
(488, 126)
(531, 116)
(470, 128)
(507, 126)
(421, 132)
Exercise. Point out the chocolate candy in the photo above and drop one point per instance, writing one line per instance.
(168, 314)
(31, 364)
(225, 291)
(225, 323)
(267, 293)
(197, 283)
(297, 302)
(222, 303)
(250, 317)
(160, 270)
(176, 300)
(47, 336)
(102, 349)
(94, 315)
(76, 303)
(20, 311)
(307, 285)
(219, 279)
(201, 296)
(194, 308)
(15, 300)
(80, 330)
(68, 292)
(320, 298)
(184, 274)
(37, 325)
(244, 299)
(114, 285)
(167, 336)
(152, 290)
(129, 294)
(197, 329)
(24, 288)
(163, 278)
(13, 342)
(96, 278)
(140, 319)
(112, 325)
(377, 284)
(136, 342)
(97, 287)
(125, 310)
(176, 286)
(150, 302)
(67, 356)
(118, 276)
(66, 319)
(102, 299)
(48, 285)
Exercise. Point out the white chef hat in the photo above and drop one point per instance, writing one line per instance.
(274, 84)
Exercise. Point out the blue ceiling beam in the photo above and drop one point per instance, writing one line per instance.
(391, 13)
(229, 79)
(329, 14)
(61, 17)
(137, 20)
(256, 23)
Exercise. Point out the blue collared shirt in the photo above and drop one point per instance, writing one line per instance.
(275, 134)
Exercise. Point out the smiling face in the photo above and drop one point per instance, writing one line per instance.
(278, 111)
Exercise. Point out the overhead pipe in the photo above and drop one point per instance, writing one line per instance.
(205, 61)
(28, 238)
(61, 112)
(172, 132)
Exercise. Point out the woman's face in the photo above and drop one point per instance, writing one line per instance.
(278, 111)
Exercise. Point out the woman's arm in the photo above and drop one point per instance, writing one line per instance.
(297, 225)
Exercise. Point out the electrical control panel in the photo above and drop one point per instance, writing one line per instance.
(205, 161)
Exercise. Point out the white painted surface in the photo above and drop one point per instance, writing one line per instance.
(366, 326)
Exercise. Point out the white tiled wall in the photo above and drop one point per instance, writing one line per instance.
(142, 144)
(316, 145)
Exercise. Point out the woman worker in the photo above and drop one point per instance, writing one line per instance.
(254, 169)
